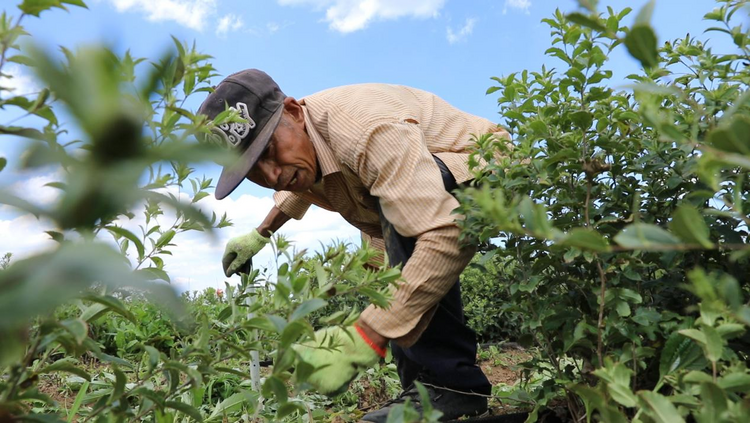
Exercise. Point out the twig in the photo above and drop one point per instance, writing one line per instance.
(600, 324)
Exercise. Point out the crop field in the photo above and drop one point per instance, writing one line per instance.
(611, 284)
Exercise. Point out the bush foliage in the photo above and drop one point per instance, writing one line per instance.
(614, 225)
(623, 219)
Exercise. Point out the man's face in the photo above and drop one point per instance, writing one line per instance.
(289, 162)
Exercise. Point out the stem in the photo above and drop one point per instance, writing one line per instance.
(600, 325)
(6, 44)
(588, 202)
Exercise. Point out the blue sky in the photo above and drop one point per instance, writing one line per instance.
(448, 47)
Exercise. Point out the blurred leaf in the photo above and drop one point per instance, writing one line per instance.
(732, 138)
(35, 7)
(76, 327)
(680, 354)
(688, 224)
(292, 332)
(585, 239)
(62, 275)
(65, 365)
(19, 203)
(641, 43)
(644, 15)
(714, 343)
(3, 163)
(714, 402)
(659, 408)
(643, 236)
(22, 132)
(130, 236)
(587, 21)
(234, 403)
(185, 409)
(308, 307)
(111, 303)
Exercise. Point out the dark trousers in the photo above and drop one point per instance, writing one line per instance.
(445, 354)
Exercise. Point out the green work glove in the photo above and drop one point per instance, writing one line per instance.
(350, 353)
(240, 250)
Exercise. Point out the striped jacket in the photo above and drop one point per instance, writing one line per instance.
(374, 143)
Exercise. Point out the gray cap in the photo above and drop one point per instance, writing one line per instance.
(259, 100)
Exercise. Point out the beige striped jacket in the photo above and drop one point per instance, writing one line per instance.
(374, 143)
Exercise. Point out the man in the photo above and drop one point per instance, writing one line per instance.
(386, 158)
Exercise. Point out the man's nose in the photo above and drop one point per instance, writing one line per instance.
(270, 172)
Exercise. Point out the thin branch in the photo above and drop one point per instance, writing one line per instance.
(600, 324)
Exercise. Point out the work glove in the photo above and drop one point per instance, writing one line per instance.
(240, 251)
(339, 354)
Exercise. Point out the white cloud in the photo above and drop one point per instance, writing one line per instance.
(228, 23)
(43, 195)
(521, 5)
(190, 13)
(17, 81)
(24, 236)
(352, 15)
(461, 34)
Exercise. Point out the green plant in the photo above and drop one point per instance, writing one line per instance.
(80, 309)
(609, 203)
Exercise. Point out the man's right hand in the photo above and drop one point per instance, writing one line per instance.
(240, 251)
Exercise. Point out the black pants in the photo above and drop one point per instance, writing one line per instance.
(445, 354)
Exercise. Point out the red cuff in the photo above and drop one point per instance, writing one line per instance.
(378, 350)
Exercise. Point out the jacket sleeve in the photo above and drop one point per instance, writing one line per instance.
(292, 205)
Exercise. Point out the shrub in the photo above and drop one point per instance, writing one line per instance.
(623, 218)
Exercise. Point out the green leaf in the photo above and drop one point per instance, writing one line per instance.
(77, 327)
(730, 330)
(308, 307)
(680, 354)
(273, 386)
(641, 43)
(644, 15)
(185, 409)
(234, 403)
(688, 224)
(153, 273)
(35, 7)
(119, 386)
(735, 382)
(22, 60)
(110, 303)
(586, 21)
(582, 119)
(622, 394)
(65, 365)
(22, 132)
(293, 330)
(165, 238)
(3, 163)
(78, 3)
(695, 335)
(153, 357)
(714, 402)
(732, 138)
(714, 343)
(643, 236)
(584, 239)
(659, 408)
(130, 236)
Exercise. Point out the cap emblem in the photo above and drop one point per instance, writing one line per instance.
(233, 133)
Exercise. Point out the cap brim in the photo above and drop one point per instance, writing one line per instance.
(232, 175)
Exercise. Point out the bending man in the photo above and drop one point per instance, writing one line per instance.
(386, 158)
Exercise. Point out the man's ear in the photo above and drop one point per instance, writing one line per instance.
(292, 106)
